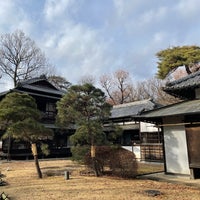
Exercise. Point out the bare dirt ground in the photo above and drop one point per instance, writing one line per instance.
(23, 184)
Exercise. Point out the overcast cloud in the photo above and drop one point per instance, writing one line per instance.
(94, 37)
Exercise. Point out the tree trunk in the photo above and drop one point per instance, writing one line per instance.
(94, 161)
(9, 148)
(95, 166)
(35, 155)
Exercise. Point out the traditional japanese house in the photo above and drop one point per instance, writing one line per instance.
(46, 96)
(144, 139)
(181, 126)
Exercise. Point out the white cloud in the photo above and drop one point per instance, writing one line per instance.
(188, 8)
(153, 15)
(6, 14)
(13, 17)
(124, 8)
(54, 9)
(6, 84)
(80, 38)
(159, 37)
(78, 49)
(5, 8)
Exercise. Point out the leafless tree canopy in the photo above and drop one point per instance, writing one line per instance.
(87, 79)
(152, 88)
(118, 87)
(59, 82)
(20, 58)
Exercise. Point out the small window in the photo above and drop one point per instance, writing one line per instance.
(50, 109)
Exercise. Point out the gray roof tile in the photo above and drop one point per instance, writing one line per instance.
(37, 86)
(34, 84)
(189, 107)
(184, 87)
(132, 109)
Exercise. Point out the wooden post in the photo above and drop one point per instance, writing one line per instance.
(66, 175)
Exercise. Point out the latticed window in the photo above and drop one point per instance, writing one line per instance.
(152, 146)
(152, 137)
(50, 110)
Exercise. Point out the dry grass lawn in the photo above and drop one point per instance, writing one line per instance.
(23, 184)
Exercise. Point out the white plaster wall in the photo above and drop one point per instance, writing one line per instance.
(147, 127)
(176, 150)
(135, 150)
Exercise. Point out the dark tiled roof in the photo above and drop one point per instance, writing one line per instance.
(37, 84)
(42, 89)
(49, 96)
(132, 109)
(184, 87)
(189, 107)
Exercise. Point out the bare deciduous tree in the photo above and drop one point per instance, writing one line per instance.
(20, 58)
(59, 82)
(118, 87)
(87, 79)
(107, 85)
(153, 88)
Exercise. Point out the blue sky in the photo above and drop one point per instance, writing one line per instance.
(94, 37)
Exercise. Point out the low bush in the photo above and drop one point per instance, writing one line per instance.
(113, 160)
(123, 163)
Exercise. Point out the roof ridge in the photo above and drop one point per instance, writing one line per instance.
(185, 78)
(35, 80)
(132, 103)
(31, 80)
